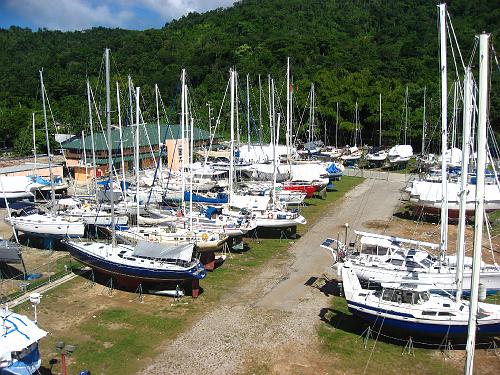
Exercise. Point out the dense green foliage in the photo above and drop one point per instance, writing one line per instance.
(351, 50)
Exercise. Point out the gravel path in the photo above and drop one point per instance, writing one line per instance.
(268, 324)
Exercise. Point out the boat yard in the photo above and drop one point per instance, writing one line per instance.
(258, 313)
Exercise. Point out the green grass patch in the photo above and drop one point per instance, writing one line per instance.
(340, 338)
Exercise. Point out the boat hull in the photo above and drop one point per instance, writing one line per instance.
(399, 322)
(132, 274)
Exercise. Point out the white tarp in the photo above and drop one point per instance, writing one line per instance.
(404, 151)
(18, 332)
(163, 251)
(250, 202)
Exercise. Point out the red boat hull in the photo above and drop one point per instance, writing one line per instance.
(309, 190)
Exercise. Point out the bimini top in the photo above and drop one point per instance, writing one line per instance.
(154, 250)
(17, 333)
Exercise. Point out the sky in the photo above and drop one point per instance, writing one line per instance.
(69, 15)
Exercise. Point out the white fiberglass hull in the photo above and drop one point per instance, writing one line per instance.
(48, 226)
(443, 280)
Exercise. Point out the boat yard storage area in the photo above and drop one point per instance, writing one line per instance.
(258, 313)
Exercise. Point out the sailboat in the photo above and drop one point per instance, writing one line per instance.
(412, 309)
(378, 155)
(352, 154)
(50, 225)
(145, 262)
(399, 155)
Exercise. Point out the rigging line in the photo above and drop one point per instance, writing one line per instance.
(143, 123)
(374, 344)
(56, 127)
(488, 230)
(453, 54)
(450, 24)
(495, 57)
(217, 122)
(473, 52)
(302, 117)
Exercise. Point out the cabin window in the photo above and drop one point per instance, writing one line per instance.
(429, 313)
(412, 264)
(445, 313)
(396, 262)
(426, 262)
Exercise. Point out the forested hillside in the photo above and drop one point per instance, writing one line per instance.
(352, 50)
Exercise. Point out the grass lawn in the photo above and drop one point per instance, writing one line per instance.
(119, 335)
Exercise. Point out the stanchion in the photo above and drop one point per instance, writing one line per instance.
(90, 283)
(139, 294)
(367, 335)
(109, 287)
(408, 349)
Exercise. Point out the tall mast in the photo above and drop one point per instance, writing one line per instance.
(248, 112)
(273, 108)
(236, 108)
(110, 151)
(183, 129)
(231, 148)
(191, 149)
(423, 125)
(52, 191)
(260, 111)
(356, 126)
(130, 93)
(467, 123)
(288, 114)
(34, 140)
(92, 138)
(380, 120)
(275, 162)
(137, 166)
(444, 132)
(159, 133)
(270, 105)
(406, 113)
(121, 140)
(85, 159)
(484, 45)
(337, 125)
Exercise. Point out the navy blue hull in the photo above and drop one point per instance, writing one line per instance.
(136, 274)
(424, 329)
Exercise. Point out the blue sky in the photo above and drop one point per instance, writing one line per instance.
(84, 14)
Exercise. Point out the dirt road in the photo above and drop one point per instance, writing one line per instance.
(268, 324)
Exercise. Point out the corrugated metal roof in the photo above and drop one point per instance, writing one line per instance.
(128, 136)
(25, 167)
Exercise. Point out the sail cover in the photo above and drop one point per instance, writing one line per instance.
(163, 251)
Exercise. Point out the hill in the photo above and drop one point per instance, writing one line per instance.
(351, 50)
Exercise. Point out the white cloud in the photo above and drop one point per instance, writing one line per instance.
(70, 14)
(84, 14)
(175, 8)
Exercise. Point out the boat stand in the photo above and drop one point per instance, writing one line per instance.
(109, 287)
(367, 335)
(446, 349)
(226, 251)
(409, 349)
(90, 283)
(493, 349)
(254, 236)
(139, 294)
(283, 235)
